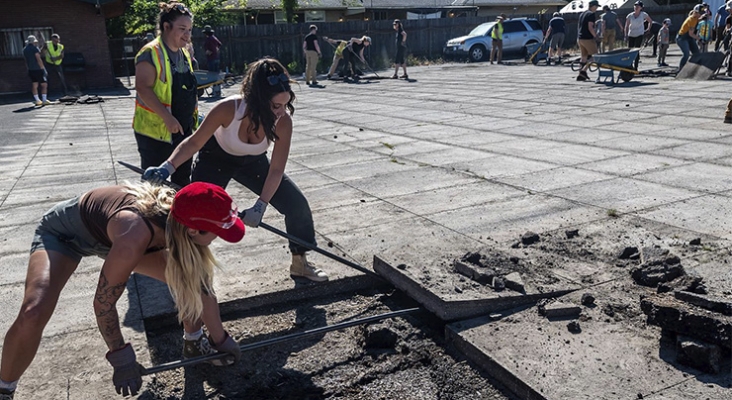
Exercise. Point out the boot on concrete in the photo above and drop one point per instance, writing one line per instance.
(301, 267)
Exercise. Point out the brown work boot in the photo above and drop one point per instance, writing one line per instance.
(301, 267)
(202, 347)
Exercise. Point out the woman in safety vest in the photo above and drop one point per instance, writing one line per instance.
(139, 228)
(166, 106)
(497, 43)
(233, 141)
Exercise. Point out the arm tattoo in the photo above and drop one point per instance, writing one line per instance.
(106, 311)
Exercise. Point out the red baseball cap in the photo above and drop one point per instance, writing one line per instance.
(207, 207)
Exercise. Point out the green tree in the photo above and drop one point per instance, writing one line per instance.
(141, 15)
(290, 6)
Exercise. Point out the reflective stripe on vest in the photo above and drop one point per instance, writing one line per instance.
(146, 121)
(51, 53)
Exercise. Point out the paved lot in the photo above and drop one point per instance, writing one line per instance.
(483, 152)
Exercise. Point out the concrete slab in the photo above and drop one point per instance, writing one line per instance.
(623, 194)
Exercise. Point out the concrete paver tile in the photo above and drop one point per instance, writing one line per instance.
(506, 220)
(633, 164)
(365, 169)
(696, 176)
(697, 151)
(624, 194)
(551, 179)
(704, 214)
(454, 197)
(502, 165)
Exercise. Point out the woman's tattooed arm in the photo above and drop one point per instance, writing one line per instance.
(105, 308)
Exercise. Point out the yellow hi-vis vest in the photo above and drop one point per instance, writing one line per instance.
(146, 121)
(340, 48)
(50, 52)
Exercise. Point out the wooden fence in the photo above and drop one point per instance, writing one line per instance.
(244, 44)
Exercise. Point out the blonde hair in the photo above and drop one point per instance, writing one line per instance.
(152, 201)
(189, 267)
(188, 272)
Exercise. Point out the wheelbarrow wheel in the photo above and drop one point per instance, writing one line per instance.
(625, 76)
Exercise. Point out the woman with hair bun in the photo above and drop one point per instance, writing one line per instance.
(232, 143)
(166, 104)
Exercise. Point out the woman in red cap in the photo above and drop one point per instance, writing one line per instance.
(130, 227)
(232, 143)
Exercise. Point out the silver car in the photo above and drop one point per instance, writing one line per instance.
(476, 45)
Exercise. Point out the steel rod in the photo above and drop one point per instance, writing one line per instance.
(276, 231)
(269, 342)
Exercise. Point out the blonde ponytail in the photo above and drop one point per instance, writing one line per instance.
(189, 271)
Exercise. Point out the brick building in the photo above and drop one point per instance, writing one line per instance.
(81, 25)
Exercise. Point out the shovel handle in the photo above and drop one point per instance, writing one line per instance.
(276, 231)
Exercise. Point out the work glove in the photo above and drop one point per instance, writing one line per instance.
(158, 175)
(127, 377)
(227, 346)
(253, 216)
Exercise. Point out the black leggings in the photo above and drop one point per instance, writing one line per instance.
(216, 166)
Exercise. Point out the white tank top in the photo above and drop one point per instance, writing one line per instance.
(228, 137)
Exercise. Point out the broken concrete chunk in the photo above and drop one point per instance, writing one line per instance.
(474, 272)
(574, 327)
(686, 283)
(653, 255)
(473, 258)
(559, 309)
(695, 242)
(652, 275)
(514, 282)
(529, 238)
(706, 302)
(679, 317)
(627, 252)
(498, 283)
(698, 354)
(588, 299)
(571, 233)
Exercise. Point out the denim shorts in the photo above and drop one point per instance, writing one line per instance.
(62, 230)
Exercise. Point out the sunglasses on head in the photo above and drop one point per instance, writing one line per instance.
(277, 79)
(230, 220)
(181, 9)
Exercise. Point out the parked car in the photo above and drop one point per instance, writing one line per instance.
(517, 33)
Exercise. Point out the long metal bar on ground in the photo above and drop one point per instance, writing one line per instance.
(277, 231)
(269, 342)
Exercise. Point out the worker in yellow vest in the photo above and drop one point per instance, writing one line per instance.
(166, 105)
(53, 58)
(497, 36)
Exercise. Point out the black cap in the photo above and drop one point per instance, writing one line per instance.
(638, 3)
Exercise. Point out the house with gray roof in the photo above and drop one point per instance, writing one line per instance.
(260, 12)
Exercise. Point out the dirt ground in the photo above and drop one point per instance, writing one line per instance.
(401, 358)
